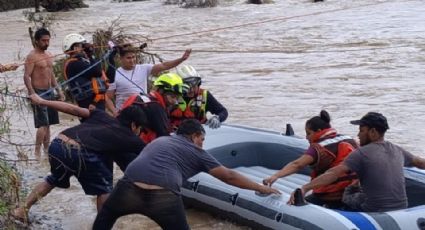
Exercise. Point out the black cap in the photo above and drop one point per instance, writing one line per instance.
(373, 120)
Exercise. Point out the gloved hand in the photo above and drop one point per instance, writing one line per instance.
(213, 122)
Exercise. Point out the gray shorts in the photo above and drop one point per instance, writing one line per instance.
(44, 116)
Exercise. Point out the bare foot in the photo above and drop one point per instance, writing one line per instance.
(20, 214)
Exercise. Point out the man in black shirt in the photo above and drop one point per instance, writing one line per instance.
(86, 151)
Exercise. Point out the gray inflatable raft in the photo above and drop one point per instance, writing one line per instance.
(257, 154)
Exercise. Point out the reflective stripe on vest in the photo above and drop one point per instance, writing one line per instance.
(195, 108)
(198, 105)
(334, 140)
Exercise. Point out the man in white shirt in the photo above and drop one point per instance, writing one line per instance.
(132, 78)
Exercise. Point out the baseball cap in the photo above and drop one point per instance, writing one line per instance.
(373, 120)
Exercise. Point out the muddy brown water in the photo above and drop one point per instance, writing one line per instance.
(347, 61)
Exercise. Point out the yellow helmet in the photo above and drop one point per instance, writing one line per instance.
(170, 82)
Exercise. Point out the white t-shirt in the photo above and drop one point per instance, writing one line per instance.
(124, 88)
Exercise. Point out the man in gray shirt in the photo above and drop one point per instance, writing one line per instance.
(151, 183)
(379, 166)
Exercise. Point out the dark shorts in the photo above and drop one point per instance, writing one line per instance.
(92, 170)
(44, 116)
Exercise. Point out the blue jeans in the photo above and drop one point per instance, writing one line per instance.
(162, 206)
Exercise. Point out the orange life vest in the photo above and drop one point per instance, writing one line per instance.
(332, 149)
(195, 108)
(96, 87)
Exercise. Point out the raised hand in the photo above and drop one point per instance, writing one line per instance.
(186, 54)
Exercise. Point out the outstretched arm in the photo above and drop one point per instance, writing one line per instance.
(290, 168)
(418, 162)
(158, 68)
(61, 106)
(326, 178)
(236, 179)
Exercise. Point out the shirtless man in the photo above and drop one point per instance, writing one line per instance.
(39, 78)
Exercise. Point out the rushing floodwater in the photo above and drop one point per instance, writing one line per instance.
(347, 61)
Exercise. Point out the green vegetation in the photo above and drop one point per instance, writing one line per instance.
(9, 188)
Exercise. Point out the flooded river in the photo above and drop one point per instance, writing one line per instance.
(348, 57)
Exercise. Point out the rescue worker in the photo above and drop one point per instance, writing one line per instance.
(327, 150)
(90, 87)
(167, 88)
(196, 101)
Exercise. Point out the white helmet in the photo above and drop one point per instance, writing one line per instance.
(187, 71)
(70, 40)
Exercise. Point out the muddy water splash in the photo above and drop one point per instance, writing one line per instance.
(348, 62)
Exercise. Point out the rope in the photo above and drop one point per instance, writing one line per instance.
(266, 21)
(247, 24)
(77, 75)
(278, 51)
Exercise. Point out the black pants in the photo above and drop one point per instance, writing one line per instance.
(314, 199)
(162, 206)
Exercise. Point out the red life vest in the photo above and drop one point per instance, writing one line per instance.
(159, 98)
(147, 135)
(332, 149)
(177, 115)
(97, 86)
